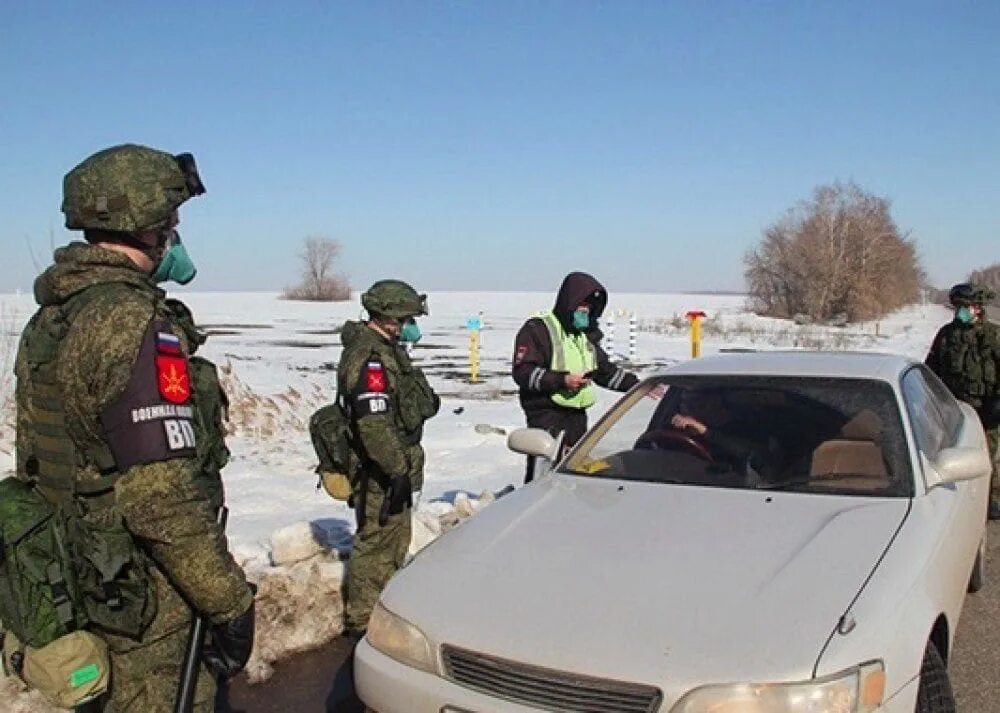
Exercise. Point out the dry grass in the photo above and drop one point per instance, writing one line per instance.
(283, 417)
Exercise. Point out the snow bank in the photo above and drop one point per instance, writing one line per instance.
(15, 699)
(300, 597)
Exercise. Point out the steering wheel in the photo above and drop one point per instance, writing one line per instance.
(672, 439)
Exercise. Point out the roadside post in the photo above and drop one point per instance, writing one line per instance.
(694, 317)
(633, 331)
(474, 325)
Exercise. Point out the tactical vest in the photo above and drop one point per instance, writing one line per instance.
(46, 452)
(415, 399)
(970, 368)
(211, 411)
(111, 572)
(573, 353)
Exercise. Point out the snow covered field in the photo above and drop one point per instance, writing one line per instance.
(278, 360)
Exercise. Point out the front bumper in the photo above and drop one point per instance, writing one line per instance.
(387, 686)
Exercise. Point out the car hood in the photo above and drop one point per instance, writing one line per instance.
(662, 584)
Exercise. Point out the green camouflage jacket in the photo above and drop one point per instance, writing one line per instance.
(966, 358)
(122, 371)
(389, 400)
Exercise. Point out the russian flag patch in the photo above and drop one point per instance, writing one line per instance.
(167, 343)
(375, 378)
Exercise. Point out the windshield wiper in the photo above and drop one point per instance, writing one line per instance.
(785, 484)
(823, 479)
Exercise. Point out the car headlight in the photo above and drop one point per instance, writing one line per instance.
(397, 638)
(857, 690)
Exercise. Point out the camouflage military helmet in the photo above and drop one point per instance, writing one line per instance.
(393, 298)
(985, 294)
(965, 294)
(128, 188)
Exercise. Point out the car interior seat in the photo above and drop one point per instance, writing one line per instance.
(853, 460)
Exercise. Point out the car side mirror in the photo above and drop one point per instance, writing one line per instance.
(962, 463)
(532, 442)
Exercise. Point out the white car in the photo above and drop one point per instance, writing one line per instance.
(808, 553)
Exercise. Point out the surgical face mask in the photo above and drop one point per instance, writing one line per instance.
(175, 265)
(581, 318)
(964, 315)
(410, 332)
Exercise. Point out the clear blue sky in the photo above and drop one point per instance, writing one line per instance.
(497, 145)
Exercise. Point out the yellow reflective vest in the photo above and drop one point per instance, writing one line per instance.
(573, 353)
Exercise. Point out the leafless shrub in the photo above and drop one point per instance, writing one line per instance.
(8, 351)
(988, 276)
(319, 283)
(838, 253)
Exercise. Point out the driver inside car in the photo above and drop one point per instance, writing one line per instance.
(735, 443)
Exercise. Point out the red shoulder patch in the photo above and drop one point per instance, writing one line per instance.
(375, 377)
(173, 378)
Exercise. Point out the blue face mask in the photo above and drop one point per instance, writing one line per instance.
(581, 319)
(964, 315)
(176, 264)
(410, 332)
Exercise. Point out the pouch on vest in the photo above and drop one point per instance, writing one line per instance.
(416, 400)
(330, 431)
(112, 576)
(39, 600)
(68, 672)
(210, 414)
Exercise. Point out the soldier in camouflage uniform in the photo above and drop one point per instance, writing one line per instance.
(388, 399)
(965, 354)
(107, 417)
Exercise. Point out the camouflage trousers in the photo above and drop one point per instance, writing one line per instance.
(145, 674)
(378, 552)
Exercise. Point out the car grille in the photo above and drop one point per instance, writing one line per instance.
(545, 688)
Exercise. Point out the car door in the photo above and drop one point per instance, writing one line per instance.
(956, 512)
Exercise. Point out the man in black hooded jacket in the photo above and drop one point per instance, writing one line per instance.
(558, 359)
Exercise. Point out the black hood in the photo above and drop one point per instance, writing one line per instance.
(577, 288)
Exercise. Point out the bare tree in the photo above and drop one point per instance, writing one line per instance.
(838, 254)
(319, 283)
(988, 276)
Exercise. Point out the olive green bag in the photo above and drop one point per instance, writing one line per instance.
(38, 601)
(41, 603)
(330, 431)
(60, 574)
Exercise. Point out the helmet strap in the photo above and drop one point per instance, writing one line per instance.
(383, 326)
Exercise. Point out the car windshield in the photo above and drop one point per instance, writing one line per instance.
(823, 435)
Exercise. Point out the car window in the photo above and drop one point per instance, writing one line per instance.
(951, 413)
(929, 427)
(802, 433)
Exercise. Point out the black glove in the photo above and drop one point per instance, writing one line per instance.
(397, 497)
(228, 645)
